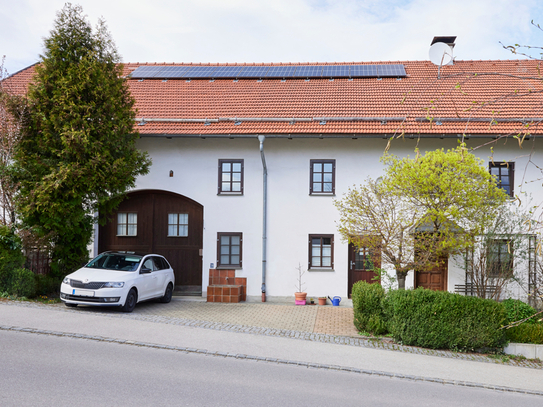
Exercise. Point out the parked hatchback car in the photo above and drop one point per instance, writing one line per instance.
(119, 279)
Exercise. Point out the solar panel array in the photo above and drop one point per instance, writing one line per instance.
(269, 72)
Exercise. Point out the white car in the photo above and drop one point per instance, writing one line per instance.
(119, 279)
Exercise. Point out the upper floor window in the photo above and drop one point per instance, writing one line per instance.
(229, 249)
(503, 173)
(178, 224)
(322, 177)
(321, 251)
(230, 177)
(127, 224)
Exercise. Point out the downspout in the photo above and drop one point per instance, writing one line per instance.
(264, 214)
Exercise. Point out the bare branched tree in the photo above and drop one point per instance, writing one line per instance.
(500, 255)
(12, 115)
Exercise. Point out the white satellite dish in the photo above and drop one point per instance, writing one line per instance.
(441, 54)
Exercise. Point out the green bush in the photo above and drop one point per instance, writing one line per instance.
(443, 320)
(526, 333)
(23, 283)
(46, 285)
(518, 310)
(11, 256)
(368, 311)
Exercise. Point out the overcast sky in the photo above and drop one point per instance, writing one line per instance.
(280, 30)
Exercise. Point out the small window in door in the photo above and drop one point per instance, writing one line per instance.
(363, 259)
(178, 224)
(127, 224)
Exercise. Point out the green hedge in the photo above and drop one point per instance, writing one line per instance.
(518, 310)
(443, 320)
(526, 333)
(368, 312)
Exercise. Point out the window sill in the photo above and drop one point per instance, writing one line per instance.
(323, 194)
(321, 269)
(229, 268)
(176, 236)
(230, 194)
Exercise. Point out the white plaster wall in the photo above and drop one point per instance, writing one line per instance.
(293, 214)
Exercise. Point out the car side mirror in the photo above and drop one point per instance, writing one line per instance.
(145, 270)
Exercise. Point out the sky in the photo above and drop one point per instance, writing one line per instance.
(219, 31)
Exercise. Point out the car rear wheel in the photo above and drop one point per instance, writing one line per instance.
(130, 302)
(167, 294)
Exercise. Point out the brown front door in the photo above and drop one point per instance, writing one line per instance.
(149, 211)
(361, 265)
(435, 277)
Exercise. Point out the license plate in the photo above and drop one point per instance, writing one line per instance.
(83, 293)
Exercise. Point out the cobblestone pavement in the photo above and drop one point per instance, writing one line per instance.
(326, 324)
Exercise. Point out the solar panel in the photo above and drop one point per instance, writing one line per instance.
(308, 71)
(363, 71)
(146, 71)
(289, 71)
(335, 71)
(391, 70)
(227, 72)
(254, 72)
(201, 72)
(281, 72)
(173, 72)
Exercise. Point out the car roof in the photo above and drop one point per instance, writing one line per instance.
(135, 253)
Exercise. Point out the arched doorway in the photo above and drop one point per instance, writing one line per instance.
(161, 222)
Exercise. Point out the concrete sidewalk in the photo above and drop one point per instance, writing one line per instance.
(266, 332)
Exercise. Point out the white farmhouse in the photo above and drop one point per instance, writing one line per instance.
(248, 159)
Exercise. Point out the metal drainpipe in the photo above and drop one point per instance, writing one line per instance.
(264, 214)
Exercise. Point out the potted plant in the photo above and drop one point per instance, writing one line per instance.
(322, 300)
(300, 295)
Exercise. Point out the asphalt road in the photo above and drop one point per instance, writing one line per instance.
(48, 370)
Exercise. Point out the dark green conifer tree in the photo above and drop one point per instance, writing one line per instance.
(77, 156)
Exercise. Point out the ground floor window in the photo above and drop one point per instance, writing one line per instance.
(500, 258)
(321, 251)
(229, 249)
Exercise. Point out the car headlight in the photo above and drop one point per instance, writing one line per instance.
(66, 280)
(114, 284)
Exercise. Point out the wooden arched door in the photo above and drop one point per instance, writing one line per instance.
(160, 222)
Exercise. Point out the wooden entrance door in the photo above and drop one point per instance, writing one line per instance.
(152, 209)
(435, 277)
(361, 265)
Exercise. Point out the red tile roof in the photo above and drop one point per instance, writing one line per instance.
(471, 97)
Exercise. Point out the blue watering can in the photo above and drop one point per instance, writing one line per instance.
(335, 301)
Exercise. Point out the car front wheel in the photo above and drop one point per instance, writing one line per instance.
(130, 302)
(167, 294)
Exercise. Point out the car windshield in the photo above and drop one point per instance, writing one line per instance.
(115, 261)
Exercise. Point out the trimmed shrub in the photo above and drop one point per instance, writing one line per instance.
(23, 283)
(518, 310)
(526, 333)
(443, 320)
(367, 308)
